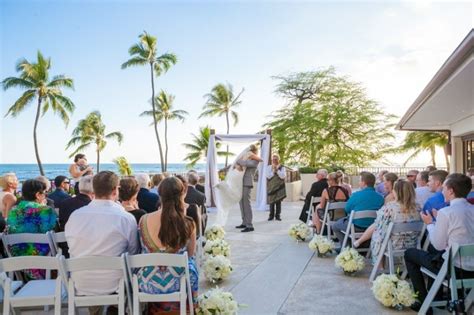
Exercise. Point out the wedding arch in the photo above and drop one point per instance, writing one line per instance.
(211, 165)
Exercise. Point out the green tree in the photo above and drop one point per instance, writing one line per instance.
(145, 52)
(123, 166)
(165, 112)
(333, 124)
(198, 148)
(35, 79)
(222, 102)
(419, 141)
(89, 131)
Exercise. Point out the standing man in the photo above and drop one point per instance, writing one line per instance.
(245, 207)
(276, 190)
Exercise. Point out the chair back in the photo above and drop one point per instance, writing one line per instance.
(13, 239)
(54, 239)
(157, 259)
(29, 262)
(92, 263)
(336, 205)
(364, 214)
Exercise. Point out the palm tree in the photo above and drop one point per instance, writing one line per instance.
(164, 111)
(123, 166)
(145, 53)
(35, 79)
(91, 130)
(198, 148)
(419, 141)
(221, 101)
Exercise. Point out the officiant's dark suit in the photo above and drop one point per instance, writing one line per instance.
(245, 207)
(193, 196)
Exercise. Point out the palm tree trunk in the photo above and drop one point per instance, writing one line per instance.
(98, 160)
(166, 143)
(433, 155)
(448, 166)
(35, 140)
(227, 155)
(155, 123)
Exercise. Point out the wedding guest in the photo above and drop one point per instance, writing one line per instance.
(200, 186)
(334, 193)
(194, 196)
(128, 193)
(316, 190)
(435, 184)
(78, 169)
(102, 228)
(379, 183)
(61, 192)
(401, 209)
(276, 190)
(345, 182)
(155, 182)
(31, 215)
(168, 230)
(47, 201)
(365, 199)
(147, 200)
(422, 190)
(430, 168)
(8, 186)
(411, 176)
(389, 180)
(83, 198)
(190, 209)
(454, 224)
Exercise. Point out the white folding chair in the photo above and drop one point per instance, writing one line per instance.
(89, 263)
(326, 221)
(54, 239)
(13, 239)
(200, 239)
(34, 292)
(154, 260)
(15, 285)
(456, 253)
(311, 209)
(387, 250)
(351, 233)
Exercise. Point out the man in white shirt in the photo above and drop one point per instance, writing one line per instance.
(422, 190)
(276, 189)
(454, 224)
(102, 228)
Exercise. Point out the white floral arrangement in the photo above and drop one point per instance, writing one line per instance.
(350, 260)
(322, 245)
(215, 232)
(216, 301)
(299, 232)
(393, 292)
(216, 268)
(217, 247)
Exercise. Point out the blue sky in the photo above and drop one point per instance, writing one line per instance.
(392, 48)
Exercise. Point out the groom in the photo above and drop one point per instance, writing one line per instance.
(245, 208)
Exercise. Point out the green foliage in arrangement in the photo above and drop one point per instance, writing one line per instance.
(419, 141)
(329, 168)
(144, 53)
(198, 148)
(35, 79)
(123, 166)
(89, 131)
(329, 120)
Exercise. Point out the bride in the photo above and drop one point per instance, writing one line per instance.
(229, 191)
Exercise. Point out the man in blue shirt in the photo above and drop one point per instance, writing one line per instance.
(435, 184)
(365, 199)
(62, 187)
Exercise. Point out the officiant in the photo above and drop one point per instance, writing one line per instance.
(276, 190)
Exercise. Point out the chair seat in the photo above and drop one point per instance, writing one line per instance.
(36, 292)
(15, 285)
(96, 300)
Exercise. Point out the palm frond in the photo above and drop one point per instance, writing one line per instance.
(21, 103)
(117, 135)
(133, 62)
(17, 82)
(61, 81)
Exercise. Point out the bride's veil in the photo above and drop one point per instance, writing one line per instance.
(241, 155)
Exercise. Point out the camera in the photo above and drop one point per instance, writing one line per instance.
(457, 307)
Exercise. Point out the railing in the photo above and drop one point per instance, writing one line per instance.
(399, 170)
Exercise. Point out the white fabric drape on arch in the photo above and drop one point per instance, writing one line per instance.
(211, 165)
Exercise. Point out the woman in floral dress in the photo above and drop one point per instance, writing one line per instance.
(167, 230)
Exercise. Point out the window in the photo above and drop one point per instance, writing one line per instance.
(468, 152)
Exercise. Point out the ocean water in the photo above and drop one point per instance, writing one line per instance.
(26, 171)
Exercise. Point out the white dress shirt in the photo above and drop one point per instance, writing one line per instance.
(422, 194)
(102, 228)
(454, 224)
(281, 172)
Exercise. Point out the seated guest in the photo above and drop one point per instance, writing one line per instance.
(400, 210)
(128, 193)
(155, 182)
(316, 190)
(168, 230)
(47, 201)
(31, 215)
(365, 199)
(422, 190)
(430, 168)
(335, 192)
(147, 200)
(345, 182)
(435, 184)
(411, 176)
(200, 186)
(61, 192)
(379, 183)
(470, 174)
(8, 186)
(83, 198)
(193, 196)
(454, 224)
(102, 228)
(190, 210)
(389, 180)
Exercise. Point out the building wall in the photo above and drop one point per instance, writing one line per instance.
(456, 155)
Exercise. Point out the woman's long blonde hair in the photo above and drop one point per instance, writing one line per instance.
(6, 179)
(405, 196)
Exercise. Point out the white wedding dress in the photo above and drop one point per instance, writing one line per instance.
(229, 191)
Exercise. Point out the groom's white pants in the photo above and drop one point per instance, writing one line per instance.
(245, 208)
